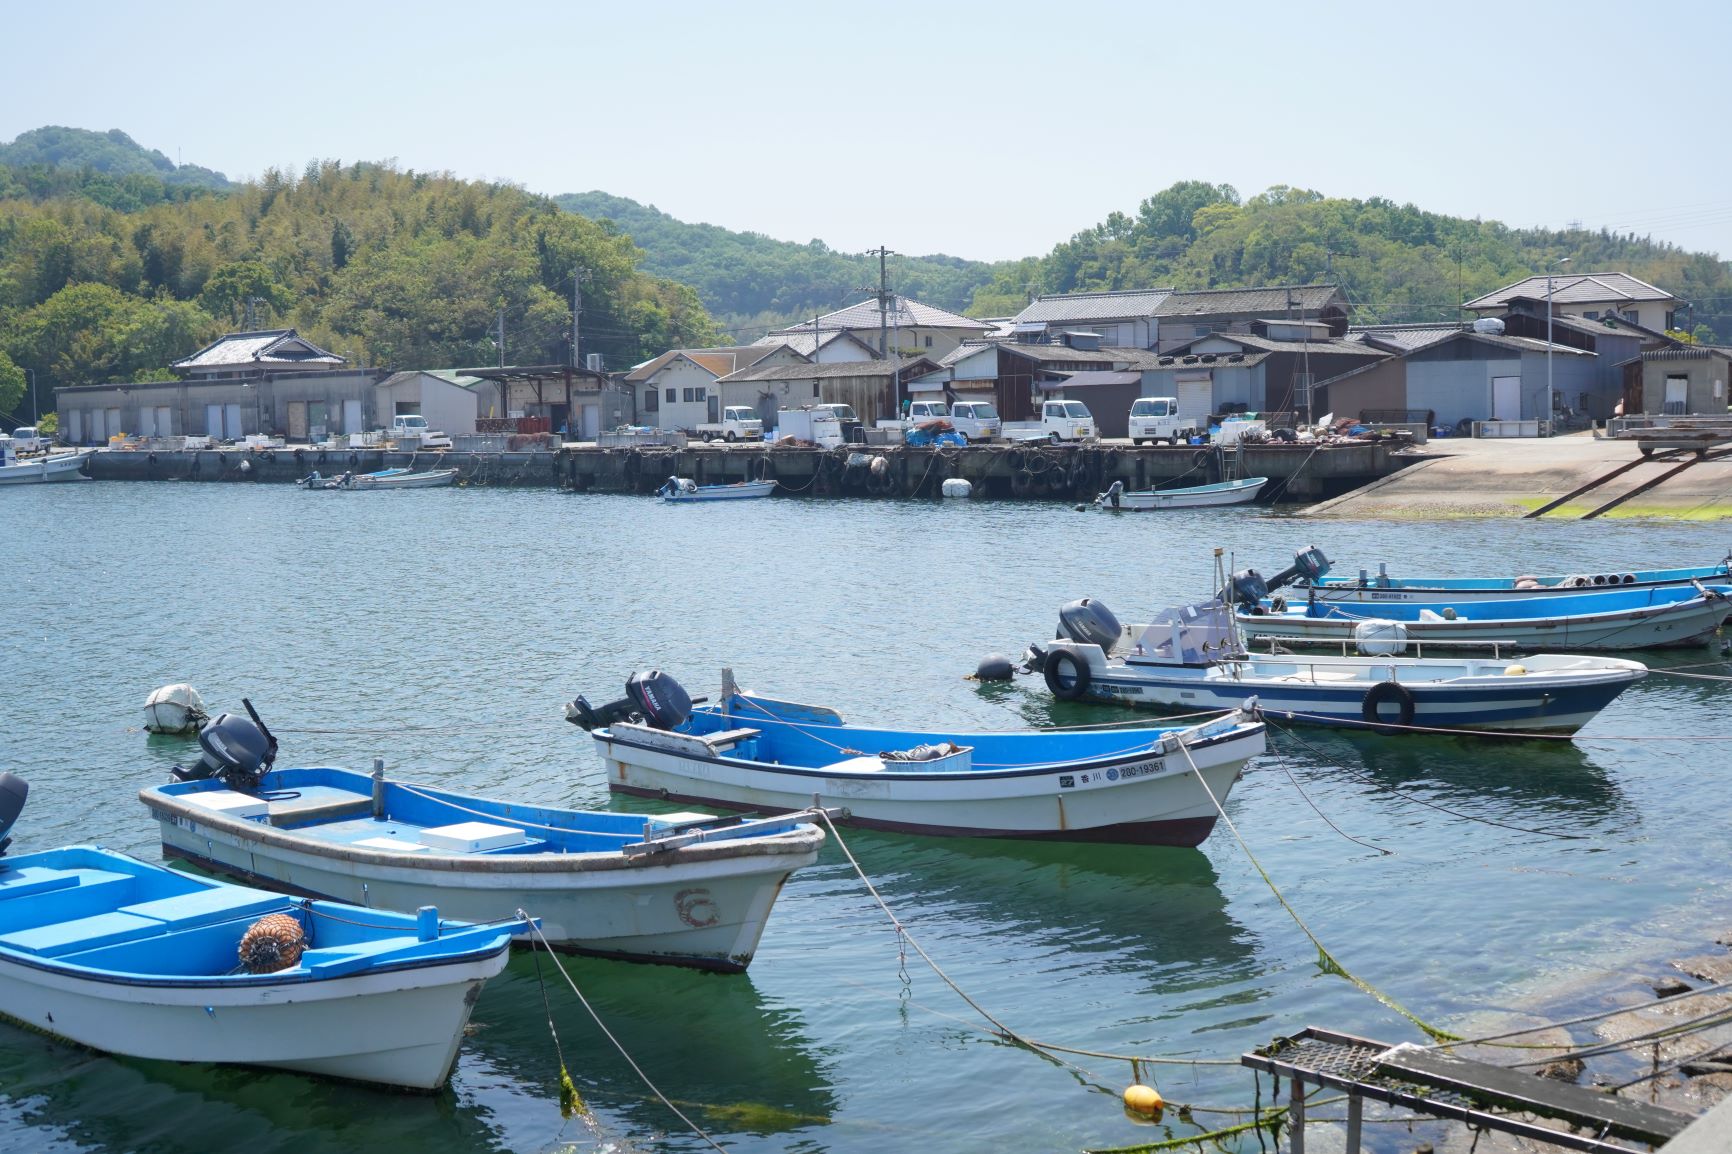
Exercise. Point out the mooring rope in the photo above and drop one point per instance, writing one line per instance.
(602, 1026)
(1326, 959)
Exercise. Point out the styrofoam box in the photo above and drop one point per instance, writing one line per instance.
(663, 820)
(231, 802)
(393, 843)
(471, 836)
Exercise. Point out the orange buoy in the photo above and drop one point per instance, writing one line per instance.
(1144, 1102)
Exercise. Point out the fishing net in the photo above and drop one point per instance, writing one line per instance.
(272, 943)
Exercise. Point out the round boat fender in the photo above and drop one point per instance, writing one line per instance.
(1021, 482)
(1057, 479)
(300, 456)
(765, 468)
(267, 455)
(1381, 694)
(1078, 684)
(1199, 458)
(1016, 459)
(152, 458)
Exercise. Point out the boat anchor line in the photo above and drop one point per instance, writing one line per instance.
(1325, 958)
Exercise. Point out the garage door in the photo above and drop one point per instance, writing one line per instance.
(1196, 398)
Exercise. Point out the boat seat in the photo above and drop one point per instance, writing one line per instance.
(322, 812)
(728, 738)
(331, 961)
(107, 929)
(95, 892)
(206, 907)
(20, 883)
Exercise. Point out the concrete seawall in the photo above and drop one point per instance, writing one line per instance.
(1039, 471)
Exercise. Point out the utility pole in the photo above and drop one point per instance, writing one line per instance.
(578, 276)
(500, 325)
(883, 300)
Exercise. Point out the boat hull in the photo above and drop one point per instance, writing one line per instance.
(704, 905)
(1658, 626)
(399, 1028)
(1433, 590)
(44, 469)
(1333, 691)
(1241, 492)
(743, 491)
(1143, 798)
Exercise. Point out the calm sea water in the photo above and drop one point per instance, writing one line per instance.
(443, 630)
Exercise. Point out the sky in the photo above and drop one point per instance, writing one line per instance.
(982, 130)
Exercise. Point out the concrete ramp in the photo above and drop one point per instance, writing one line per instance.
(1506, 477)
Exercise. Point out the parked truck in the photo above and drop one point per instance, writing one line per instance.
(410, 429)
(1157, 420)
(850, 424)
(1059, 421)
(816, 425)
(28, 440)
(738, 423)
(976, 420)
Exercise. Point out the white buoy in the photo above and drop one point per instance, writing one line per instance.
(957, 487)
(174, 709)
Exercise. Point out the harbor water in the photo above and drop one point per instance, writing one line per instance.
(443, 630)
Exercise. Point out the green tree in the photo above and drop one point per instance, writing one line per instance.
(12, 386)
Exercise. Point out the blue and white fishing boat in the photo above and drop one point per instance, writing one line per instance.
(381, 479)
(688, 889)
(751, 752)
(1240, 492)
(1190, 658)
(15, 470)
(132, 958)
(1381, 588)
(685, 489)
(1651, 617)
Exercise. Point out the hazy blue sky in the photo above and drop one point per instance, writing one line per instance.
(984, 130)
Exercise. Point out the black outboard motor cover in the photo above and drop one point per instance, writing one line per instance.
(237, 750)
(664, 702)
(655, 697)
(1247, 587)
(1310, 563)
(1088, 621)
(13, 791)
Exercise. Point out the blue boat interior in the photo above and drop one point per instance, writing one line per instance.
(808, 737)
(335, 805)
(1586, 603)
(91, 910)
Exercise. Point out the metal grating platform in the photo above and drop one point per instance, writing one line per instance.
(1477, 1093)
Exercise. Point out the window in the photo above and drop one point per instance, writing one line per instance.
(1591, 314)
(1630, 315)
(651, 400)
(1301, 390)
(671, 397)
(1677, 394)
(695, 394)
(929, 341)
(814, 390)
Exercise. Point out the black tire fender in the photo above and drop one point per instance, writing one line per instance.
(1382, 694)
(1079, 678)
(354, 459)
(1199, 458)
(1021, 482)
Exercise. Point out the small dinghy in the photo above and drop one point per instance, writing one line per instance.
(751, 752)
(686, 489)
(381, 479)
(1240, 492)
(687, 889)
(132, 958)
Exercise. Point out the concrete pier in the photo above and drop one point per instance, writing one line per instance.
(1066, 472)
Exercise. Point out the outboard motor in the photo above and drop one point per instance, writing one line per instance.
(1110, 498)
(13, 791)
(237, 751)
(1088, 621)
(1247, 587)
(653, 698)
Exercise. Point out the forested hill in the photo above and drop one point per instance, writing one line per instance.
(1396, 262)
(752, 283)
(386, 267)
(112, 152)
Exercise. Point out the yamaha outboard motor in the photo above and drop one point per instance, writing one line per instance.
(13, 791)
(237, 751)
(1088, 621)
(1247, 587)
(653, 698)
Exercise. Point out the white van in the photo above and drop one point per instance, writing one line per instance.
(28, 440)
(976, 420)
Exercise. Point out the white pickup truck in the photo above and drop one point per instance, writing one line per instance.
(738, 423)
(1156, 419)
(28, 440)
(407, 427)
(1059, 421)
(976, 420)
